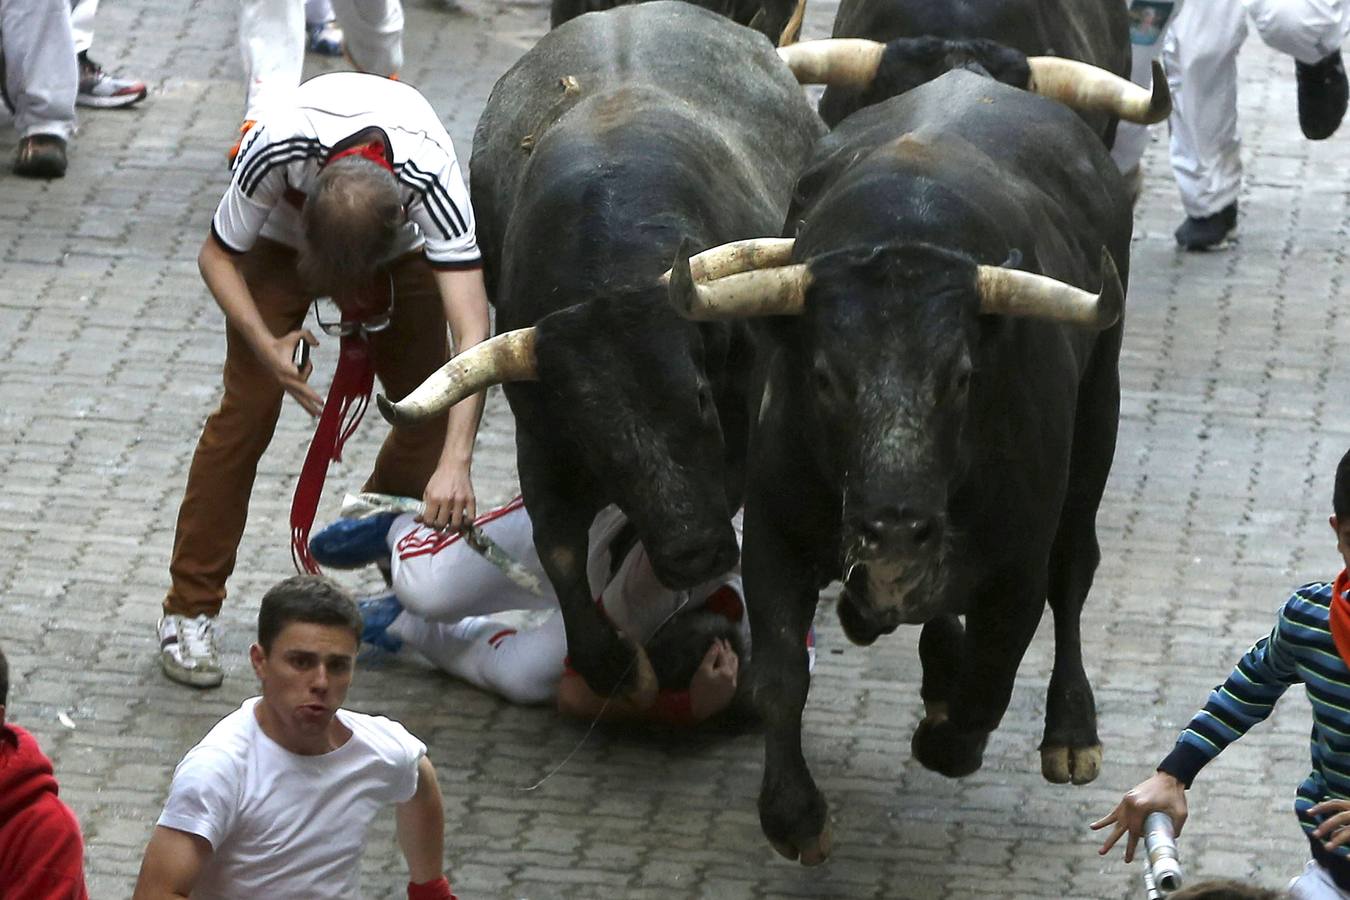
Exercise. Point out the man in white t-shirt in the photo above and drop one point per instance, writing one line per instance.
(276, 800)
(349, 190)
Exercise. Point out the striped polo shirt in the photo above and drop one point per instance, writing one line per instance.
(1298, 650)
(281, 155)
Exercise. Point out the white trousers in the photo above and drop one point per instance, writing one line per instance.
(1132, 139)
(1315, 884)
(40, 76)
(272, 43)
(82, 23)
(1201, 60)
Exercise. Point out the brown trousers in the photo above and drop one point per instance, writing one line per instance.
(215, 503)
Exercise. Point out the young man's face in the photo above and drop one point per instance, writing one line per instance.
(306, 674)
(1342, 529)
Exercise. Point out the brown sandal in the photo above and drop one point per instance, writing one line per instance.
(41, 156)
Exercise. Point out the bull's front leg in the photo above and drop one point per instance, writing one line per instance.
(781, 597)
(561, 512)
(999, 627)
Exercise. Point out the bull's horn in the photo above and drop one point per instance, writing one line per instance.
(1012, 292)
(775, 291)
(506, 357)
(1090, 89)
(838, 62)
(792, 31)
(737, 257)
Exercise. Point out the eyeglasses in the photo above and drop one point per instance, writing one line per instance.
(369, 325)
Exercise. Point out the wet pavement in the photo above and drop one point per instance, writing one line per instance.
(1234, 371)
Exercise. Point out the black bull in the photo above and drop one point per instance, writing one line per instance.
(1091, 31)
(616, 136)
(938, 459)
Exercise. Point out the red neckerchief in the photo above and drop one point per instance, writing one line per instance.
(371, 151)
(348, 397)
(1340, 616)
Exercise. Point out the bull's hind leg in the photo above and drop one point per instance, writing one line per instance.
(1071, 750)
(999, 627)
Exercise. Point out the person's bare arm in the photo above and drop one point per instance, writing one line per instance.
(173, 860)
(223, 279)
(449, 495)
(421, 827)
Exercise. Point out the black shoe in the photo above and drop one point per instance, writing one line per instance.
(1208, 232)
(41, 156)
(1322, 93)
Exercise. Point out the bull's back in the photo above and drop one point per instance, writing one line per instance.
(1004, 166)
(1094, 31)
(728, 74)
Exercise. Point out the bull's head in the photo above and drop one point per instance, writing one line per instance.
(888, 344)
(625, 383)
(860, 73)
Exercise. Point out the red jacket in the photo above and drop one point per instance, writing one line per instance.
(41, 852)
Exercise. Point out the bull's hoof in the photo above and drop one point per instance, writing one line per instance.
(643, 693)
(938, 745)
(1080, 765)
(811, 852)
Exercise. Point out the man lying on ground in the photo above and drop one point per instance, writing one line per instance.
(461, 612)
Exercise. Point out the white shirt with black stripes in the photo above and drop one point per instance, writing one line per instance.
(281, 155)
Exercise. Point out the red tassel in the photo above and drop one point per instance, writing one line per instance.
(348, 397)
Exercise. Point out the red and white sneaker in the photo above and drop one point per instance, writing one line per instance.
(103, 90)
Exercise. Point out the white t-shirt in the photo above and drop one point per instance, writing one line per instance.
(281, 155)
(281, 824)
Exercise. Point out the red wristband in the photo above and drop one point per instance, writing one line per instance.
(431, 890)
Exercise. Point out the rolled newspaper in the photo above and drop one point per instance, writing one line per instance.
(361, 506)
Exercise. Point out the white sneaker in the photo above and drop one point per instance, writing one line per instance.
(187, 650)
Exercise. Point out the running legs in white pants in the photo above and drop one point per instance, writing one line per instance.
(272, 42)
(1201, 60)
(40, 76)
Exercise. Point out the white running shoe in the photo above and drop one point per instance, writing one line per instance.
(187, 650)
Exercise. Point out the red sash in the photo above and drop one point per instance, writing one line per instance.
(348, 397)
(1340, 616)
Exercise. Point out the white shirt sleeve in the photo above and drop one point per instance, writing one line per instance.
(204, 797)
(256, 187)
(402, 752)
(440, 207)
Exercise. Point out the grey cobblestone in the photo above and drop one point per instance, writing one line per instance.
(1233, 417)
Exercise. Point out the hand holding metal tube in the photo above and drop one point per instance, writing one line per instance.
(1162, 874)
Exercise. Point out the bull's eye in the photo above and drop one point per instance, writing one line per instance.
(963, 381)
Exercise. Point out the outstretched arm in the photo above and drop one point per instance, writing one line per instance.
(449, 494)
(1246, 698)
(173, 860)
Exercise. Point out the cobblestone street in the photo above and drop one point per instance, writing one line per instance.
(1235, 411)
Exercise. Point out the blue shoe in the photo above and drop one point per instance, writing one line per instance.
(377, 614)
(353, 543)
(325, 38)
